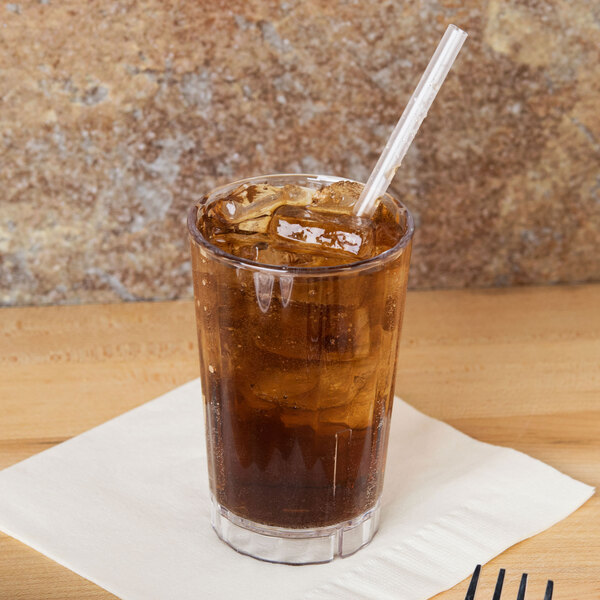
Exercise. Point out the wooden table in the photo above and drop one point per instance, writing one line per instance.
(518, 367)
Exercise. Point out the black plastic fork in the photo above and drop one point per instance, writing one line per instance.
(500, 582)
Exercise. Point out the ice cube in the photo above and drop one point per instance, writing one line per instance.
(285, 252)
(356, 415)
(388, 228)
(366, 391)
(275, 255)
(259, 225)
(240, 244)
(259, 248)
(292, 389)
(253, 202)
(338, 197)
(314, 332)
(325, 234)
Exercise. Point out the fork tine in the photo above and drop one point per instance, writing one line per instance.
(499, 584)
(521, 594)
(549, 590)
(473, 585)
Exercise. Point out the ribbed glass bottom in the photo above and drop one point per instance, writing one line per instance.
(294, 546)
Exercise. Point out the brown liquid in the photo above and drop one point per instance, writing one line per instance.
(298, 371)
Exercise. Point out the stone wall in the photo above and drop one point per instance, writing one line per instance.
(115, 116)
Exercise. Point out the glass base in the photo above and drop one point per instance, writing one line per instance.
(294, 546)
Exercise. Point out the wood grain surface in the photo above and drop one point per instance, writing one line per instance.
(514, 367)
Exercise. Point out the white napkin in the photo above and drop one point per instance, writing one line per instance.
(126, 506)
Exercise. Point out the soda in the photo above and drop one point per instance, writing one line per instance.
(299, 306)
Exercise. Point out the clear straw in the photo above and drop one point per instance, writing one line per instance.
(410, 121)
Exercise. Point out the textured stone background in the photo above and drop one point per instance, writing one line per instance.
(115, 116)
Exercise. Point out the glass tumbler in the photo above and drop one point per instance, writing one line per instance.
(298, 369)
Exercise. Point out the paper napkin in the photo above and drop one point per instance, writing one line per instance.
(126, 506)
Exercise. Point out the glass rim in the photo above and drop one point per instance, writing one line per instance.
(238, 261)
